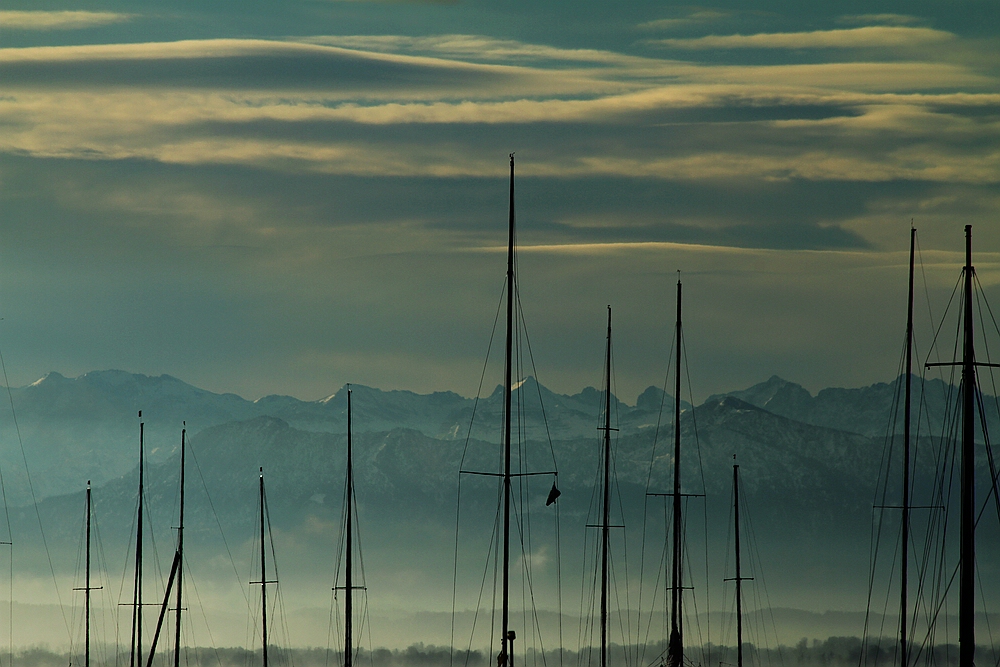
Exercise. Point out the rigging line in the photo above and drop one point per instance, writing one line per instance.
(927, 294)
(645, 505)
(482, 377)
(465, 449)
(559, 578)
(944, 599)
(128, 551)
(270, 538)
(495, 543)
(494, 539)
(704, 485)
(992, 463)
(588, 590)
(686, 557)
(454, 574)
(534, 372)
(78, 569)
(982, 407)
(982, 599)
(759, 571)
(947, 481)
(880, 497)
(333, 627)
(527, 579)
(34, 500)
(942, 484)
(625, 559)
(659, 416)
(190, 581)
(944, 318)
(613, 384)
(10, 541)
(996, 327)
(523, 521)
(218, 522)
(98, 624)
(661, 569)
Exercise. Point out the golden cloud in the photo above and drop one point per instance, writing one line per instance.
(851, 38)
(58, 20)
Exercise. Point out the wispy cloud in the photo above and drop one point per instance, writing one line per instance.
(696, 17)
(850, 38)
(883, 19)
(230, 64)
(477, 48)
(58, 20)
(284, 106)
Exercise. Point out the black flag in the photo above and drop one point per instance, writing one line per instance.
(553, 494)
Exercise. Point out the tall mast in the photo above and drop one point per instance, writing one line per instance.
(739, 573)
(967, 564)
(180, 554)
(903, 620)
(87, 587)
(675, 651)
(349, 584)
(506, 639)
(607, 498)
(86, 592)
(136, 653)
(263, 575)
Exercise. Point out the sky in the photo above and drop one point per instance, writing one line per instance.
(282, 197)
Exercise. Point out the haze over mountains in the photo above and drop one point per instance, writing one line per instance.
(809, 466)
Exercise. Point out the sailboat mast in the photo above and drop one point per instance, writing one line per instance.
(349, 584)
(607, 498)
(86, 590)
(966, 615)
(511, 288)
(180, 553)
(903, 619)
(676, 645)
(739, 573)
(136, 653)
(263, 575)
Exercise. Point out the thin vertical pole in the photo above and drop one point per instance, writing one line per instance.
(739, 573)
(349, 588)
(136, 653)
(966, 620)
(903, 613)
(263, 575)
(676, 644)
(180, 554)
(86, 591)
(511, 289)
(607, 498)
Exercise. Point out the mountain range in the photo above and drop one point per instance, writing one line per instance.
(810, 466)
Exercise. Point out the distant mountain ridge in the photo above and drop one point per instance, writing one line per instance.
(87, 427)
(809, 467)
(864, 410)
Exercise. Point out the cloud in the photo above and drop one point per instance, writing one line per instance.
(58, 20)
(748, 130)
(322, 109)
(320, 71)
(479, 48)
(693, 18)
(851, 38)
(885, 19)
